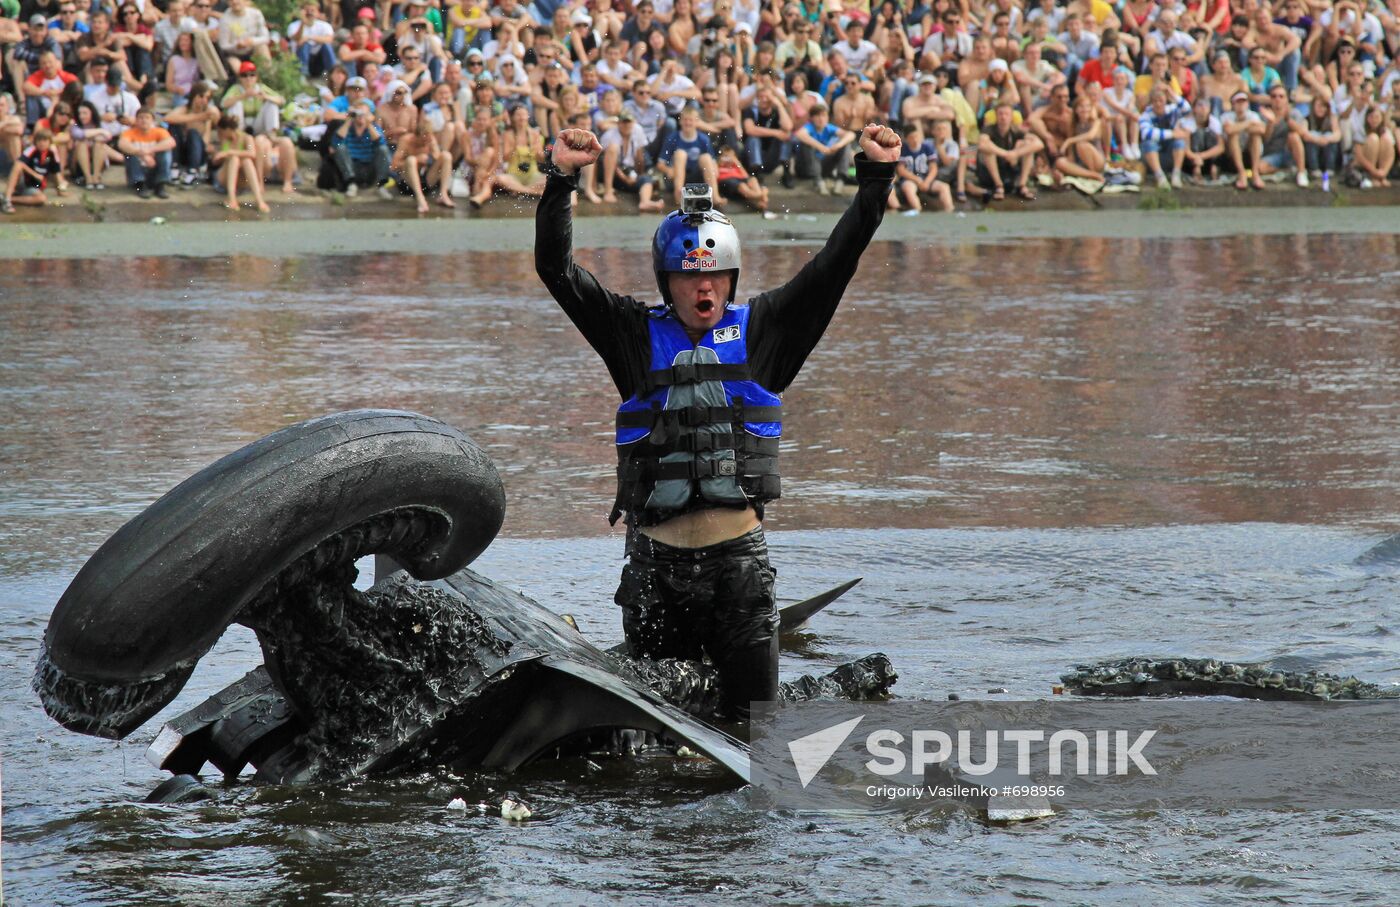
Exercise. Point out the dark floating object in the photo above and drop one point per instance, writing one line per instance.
(1146, 676)
(434, 665)
(1386, 552)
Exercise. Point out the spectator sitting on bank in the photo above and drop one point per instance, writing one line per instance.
(479, 155)
(917, 174)
(58, 125)
(167, 30)
(689, 157)
(312, 38)
(148, 149)
(139, 42)
(1120, 112)
(361, 48)
(92, 151)
(338, 110)
(625, 163)
(521, 155)
(11, 130)
(1206, 146)
(1006, 153)
(1374, 149)
(101, 43)
(243, 35)
(30, 173)
(767, 136)
(824, 150)
(722, 128)
(182, 69)
(1244, 139)
(445, 121)
(44, 86)
(736, 182)
(1163, 130)
(419, 162)
(359, 154)
(193, 124)
(413, 72)
(116, 107)
(1283, 140)
(236, 157)
(67, 29)
(1322, 139)
(397, 115)
(1081, 155)
(418, 29)
(257, 107)
(25, 57)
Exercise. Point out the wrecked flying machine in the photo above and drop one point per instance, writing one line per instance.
(433, 665)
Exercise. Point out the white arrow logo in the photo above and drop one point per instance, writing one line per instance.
(811, 753)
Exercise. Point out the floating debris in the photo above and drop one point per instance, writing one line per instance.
(1144, 676)
(514, 810)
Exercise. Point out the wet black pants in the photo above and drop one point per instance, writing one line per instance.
(716, 601)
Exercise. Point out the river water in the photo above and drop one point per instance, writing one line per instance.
(1036, 452)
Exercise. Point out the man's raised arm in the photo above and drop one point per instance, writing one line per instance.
(605, 319)
(788, 322)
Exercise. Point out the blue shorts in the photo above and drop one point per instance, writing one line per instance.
(1173, 144)
(1278, 160)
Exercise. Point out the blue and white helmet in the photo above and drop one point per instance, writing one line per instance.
(690, 241)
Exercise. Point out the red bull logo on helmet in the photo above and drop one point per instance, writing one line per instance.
(699, 259)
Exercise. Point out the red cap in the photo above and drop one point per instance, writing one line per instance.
(247, 66)
(365, 13)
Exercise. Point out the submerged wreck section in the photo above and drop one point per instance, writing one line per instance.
(1146, 676)
(434, 665)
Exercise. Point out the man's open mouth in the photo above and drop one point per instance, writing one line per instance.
(705, 306)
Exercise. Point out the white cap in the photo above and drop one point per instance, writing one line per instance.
(503, 59)
(395, 86)
(579, 16)
(998, 63)
(744, 27)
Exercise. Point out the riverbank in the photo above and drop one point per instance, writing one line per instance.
(174, 229)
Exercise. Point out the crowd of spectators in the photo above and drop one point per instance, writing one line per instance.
(462, 98)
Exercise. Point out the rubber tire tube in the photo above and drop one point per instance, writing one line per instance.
(160, 592)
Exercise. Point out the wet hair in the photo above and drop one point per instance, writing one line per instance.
(227, 121)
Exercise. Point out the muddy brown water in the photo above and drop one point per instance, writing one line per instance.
(1037, 452)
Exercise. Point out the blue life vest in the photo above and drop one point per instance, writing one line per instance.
(700, 432)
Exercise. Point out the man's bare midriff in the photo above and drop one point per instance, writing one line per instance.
(704, 527)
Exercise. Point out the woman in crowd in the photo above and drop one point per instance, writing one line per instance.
(481, 155)
(333, 86)
(606, 20)
(521, 152)
(1121, 115)
(723, 77)
(419, 161)
(1322, 138)
(236, 157)
(182, 69)
(683, 27)
(140, 44)
(445, 121)
(59, 124)
(1374, 149)
(193, 124)
(1082, 154)
(91, 145)
(650, 56)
